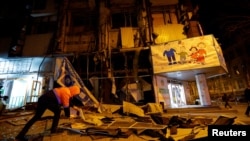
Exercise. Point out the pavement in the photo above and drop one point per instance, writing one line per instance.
(11, 124)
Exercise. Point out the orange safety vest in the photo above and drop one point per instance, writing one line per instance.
(64, 94)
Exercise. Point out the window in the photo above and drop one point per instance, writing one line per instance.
(125, 19)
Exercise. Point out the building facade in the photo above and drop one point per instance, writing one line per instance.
(108, 42)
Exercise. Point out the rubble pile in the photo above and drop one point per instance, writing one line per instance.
(146, 122)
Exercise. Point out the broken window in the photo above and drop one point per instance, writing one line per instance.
(124, 19)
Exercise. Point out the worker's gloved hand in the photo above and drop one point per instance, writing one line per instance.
(67, 112)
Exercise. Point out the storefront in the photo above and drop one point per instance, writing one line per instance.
(23, 80)
(177, 63)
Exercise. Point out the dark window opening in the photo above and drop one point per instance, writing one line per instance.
(124, 20)
(79, 21)
(88, 22)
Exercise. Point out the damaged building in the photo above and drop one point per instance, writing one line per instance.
(134, 60)
(109, 44)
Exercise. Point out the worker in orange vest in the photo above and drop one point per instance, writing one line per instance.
(52, 100)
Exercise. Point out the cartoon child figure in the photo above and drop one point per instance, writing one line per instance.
(201, 53)
(193, 54)
(170, 55)
(198, 54)
(182, 55)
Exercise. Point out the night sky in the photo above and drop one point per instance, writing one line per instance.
(226, 19)
(12, 14)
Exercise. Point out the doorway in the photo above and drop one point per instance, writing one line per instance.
(177, 95)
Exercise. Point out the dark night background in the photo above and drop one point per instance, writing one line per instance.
(228, 20)
(12, 15)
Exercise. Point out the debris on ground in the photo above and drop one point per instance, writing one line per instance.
(146, 122)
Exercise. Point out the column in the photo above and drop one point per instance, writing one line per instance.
(202, 89)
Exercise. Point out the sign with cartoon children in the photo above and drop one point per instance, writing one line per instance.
(187, 54)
